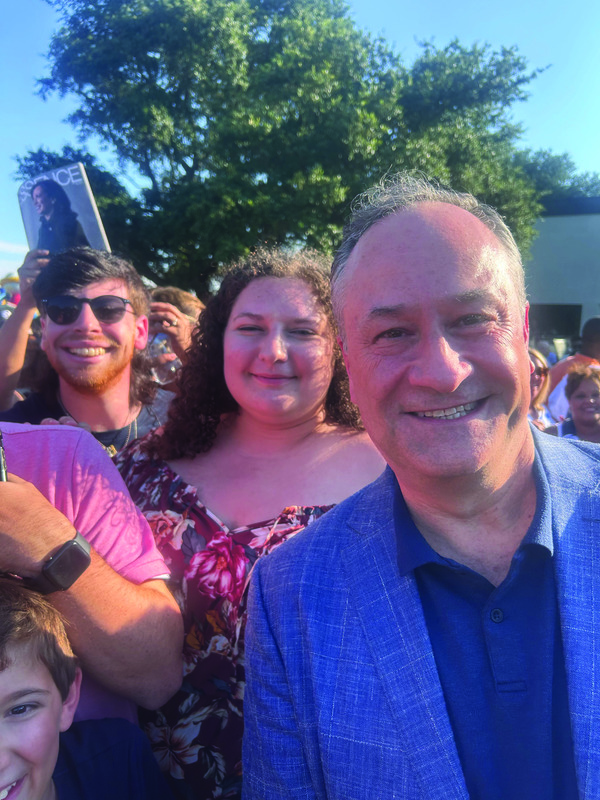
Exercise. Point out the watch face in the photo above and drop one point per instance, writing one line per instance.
(67, 565)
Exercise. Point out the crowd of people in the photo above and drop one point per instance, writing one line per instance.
(164, 624)
(577, 392)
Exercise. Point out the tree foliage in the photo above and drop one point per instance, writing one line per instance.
(259, 120)
(555, 176)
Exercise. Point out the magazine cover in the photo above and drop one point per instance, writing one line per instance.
(59, 211)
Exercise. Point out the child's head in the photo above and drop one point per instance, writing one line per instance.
(39, 691)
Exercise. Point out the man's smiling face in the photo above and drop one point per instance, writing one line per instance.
(90, 355)
(436, 342)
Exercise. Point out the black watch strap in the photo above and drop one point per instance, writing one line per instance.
(63, 568)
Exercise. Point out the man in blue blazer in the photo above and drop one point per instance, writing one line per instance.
(434, 635)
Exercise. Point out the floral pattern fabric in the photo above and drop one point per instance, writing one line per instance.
(197, 735)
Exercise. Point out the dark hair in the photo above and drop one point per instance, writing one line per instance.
(29, 619)
(186, 302)
(590, 336)
(203, 396)
(403, 191)
(79, 267)
(591, 328)
(577, 375)
(56, 192)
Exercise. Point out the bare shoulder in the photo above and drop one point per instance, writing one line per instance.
(355, 458)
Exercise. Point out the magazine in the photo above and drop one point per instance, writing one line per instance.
(59, 211)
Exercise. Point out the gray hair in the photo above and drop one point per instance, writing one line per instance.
(399, 193)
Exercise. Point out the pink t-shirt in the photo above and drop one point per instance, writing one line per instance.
(70, 468)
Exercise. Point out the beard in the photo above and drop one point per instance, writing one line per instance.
(94, 379)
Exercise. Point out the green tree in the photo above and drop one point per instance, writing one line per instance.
(555, 176)
(456, 103)
(259, 120)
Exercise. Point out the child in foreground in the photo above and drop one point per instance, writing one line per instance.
(43, 756)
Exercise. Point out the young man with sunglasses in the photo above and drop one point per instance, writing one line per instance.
(94, 310)
(67, 523)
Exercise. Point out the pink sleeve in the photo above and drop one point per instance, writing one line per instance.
(74, 472)
(108, 518)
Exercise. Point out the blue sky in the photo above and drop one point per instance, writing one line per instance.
(562, 113)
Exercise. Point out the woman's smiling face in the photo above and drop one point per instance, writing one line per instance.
(585, 404)
(43, 203)
(278, 351)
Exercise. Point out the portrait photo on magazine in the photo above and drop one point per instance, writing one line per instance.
(59, 211)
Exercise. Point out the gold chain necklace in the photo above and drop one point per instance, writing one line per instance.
(110, 448)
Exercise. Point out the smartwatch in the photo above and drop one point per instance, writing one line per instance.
(63, 568)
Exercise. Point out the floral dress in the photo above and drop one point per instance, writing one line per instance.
(197, 735)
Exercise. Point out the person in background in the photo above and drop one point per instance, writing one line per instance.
(261, 439)
(16, 332)
(173, 317)
(582, 390)
(59, 227)
(175, 313)
(42, 754)
(540, 386)
(32, 374)
(588, 355)
(35, 366)
(94, 315)
(547, 349)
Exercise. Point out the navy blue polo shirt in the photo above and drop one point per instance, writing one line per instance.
(499, 656)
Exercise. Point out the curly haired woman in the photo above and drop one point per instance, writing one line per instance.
(261, 439)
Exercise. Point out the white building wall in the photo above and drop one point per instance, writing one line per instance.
(564, 267)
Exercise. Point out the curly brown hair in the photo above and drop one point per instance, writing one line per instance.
(202, 394)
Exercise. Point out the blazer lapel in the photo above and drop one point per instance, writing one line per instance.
(578, 591)
(576, 533)
(391, 615)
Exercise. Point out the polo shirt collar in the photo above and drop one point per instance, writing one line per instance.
(414, 551)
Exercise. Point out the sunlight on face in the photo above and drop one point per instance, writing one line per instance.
(436, 343)
(278, 351)
(91, 355)
(32, 715)
(585, 404)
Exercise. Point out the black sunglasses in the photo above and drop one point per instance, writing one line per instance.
(64, 309)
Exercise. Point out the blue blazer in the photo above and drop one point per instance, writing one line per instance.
(343, 700)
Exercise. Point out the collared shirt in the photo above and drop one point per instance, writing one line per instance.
(499, 656)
